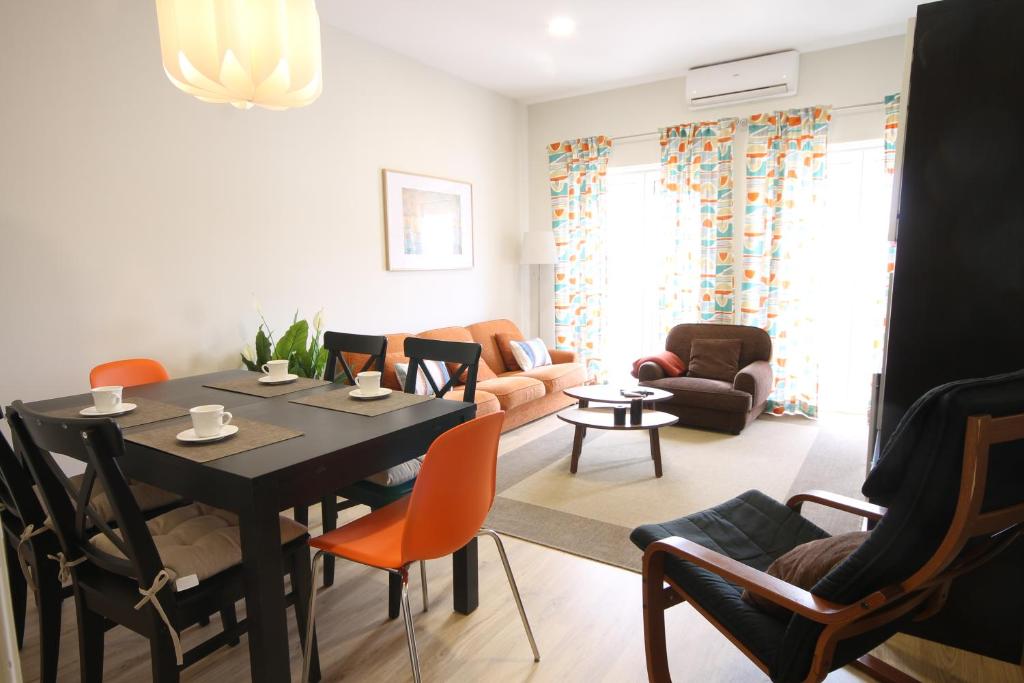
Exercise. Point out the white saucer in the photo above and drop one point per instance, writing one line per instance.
(358, 394)
(267, 379)
(189, 435)
(121, 409)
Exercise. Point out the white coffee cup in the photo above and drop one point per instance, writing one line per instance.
(208, 420)
(106, 399)
(276, 369)
(368, 382)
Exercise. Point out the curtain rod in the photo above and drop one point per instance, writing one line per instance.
(845, 107)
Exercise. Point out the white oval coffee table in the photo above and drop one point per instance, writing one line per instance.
(608, 393)
(603, 418)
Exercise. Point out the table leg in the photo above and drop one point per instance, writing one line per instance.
(584, 403)
(465, 582)
(265, 607)
(577, 447)
(656, 451)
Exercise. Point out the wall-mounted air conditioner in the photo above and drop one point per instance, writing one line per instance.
(743, 80)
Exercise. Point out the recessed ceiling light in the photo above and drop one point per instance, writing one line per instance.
(561, 27)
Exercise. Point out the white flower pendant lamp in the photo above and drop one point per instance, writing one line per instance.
(244, 52)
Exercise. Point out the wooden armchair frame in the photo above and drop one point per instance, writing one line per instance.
(924, 592)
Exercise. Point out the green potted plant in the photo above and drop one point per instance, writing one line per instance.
(305, 353)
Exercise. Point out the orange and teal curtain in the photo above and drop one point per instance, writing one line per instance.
(577, 171)
(695, 250)
(785, 174)
(881, 302)
(892, 123)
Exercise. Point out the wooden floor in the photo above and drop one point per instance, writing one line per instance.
(586, 617)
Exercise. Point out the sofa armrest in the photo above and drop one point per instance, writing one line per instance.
(649, 371)
(756, 380)
(562, 356)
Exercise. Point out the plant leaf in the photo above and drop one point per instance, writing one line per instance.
(248, 363)
(321, 364)
(299, 364)
(262, 349)
(292, 341)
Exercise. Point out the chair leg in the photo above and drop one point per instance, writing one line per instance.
(307, 650)
(229, 622)
(654, 620)
(302, 588)
(423, 582)
(19, 590)
(161, 654)
(48, 603)
(410, 632)
(394, 595)
(91, 630)
(515, 589)
(329, 512)
(301, 514)
(204, 620)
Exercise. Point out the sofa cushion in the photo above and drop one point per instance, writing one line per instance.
(703, 393)
(399, 474)
(486, 402)
(512, 391)
(715, 359)
(485, 333)
(504, 341)
(198, 539)
(460, 334)
(555, 377)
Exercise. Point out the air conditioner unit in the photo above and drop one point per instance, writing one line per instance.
(743, 80)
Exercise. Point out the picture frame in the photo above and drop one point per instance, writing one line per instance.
(428, 222)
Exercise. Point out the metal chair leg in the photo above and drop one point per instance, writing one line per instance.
(423, 582)
(410, 633)
(515, 590)
(307, 651)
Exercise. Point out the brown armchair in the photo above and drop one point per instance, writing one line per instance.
(710, 403)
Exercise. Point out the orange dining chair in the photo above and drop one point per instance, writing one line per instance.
(449, 503)
(128, 373)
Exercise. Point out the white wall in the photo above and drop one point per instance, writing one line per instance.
(853, 74)
(110, 178)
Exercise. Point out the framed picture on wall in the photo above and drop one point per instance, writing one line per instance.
(428, 222)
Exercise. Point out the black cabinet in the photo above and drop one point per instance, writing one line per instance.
(957, 306)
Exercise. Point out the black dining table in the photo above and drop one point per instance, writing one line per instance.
(336, 449)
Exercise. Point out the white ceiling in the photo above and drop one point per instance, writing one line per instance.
(504, 45)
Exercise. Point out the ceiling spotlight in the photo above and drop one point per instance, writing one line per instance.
(560, 27)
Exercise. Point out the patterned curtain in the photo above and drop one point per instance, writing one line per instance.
(785, 170)
(696, 278)
(892, 120)
(577, 172)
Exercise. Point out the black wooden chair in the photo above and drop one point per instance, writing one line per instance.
(465, 356)
(952, 480)
(341, 348)
(131, 575)
(28, 543)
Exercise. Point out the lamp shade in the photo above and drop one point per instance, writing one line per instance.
(243, 52)
(538, 247)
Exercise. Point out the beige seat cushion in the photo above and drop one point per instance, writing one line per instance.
(556, 378)
(513, 390)
(486, 402)
(198, 539)
(148, 497)
(399, 474)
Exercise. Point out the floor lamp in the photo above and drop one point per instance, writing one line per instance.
(538, 251)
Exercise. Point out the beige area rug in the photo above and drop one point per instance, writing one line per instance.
(592, 512)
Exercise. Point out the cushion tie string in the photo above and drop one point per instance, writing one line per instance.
(64, 573)
(149, 595)
(27, 534)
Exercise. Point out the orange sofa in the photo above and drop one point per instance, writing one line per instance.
(524, 396)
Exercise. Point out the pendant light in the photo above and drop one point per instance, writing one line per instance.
(242, 52)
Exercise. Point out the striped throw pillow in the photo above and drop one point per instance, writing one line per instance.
(530, 354)
(437, 370)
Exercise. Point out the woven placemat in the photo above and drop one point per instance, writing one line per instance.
(251, 434)
(146, 411)
(250, 385)
(341, 401)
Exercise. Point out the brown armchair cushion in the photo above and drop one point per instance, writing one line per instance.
(715, 359)
(806, 565)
